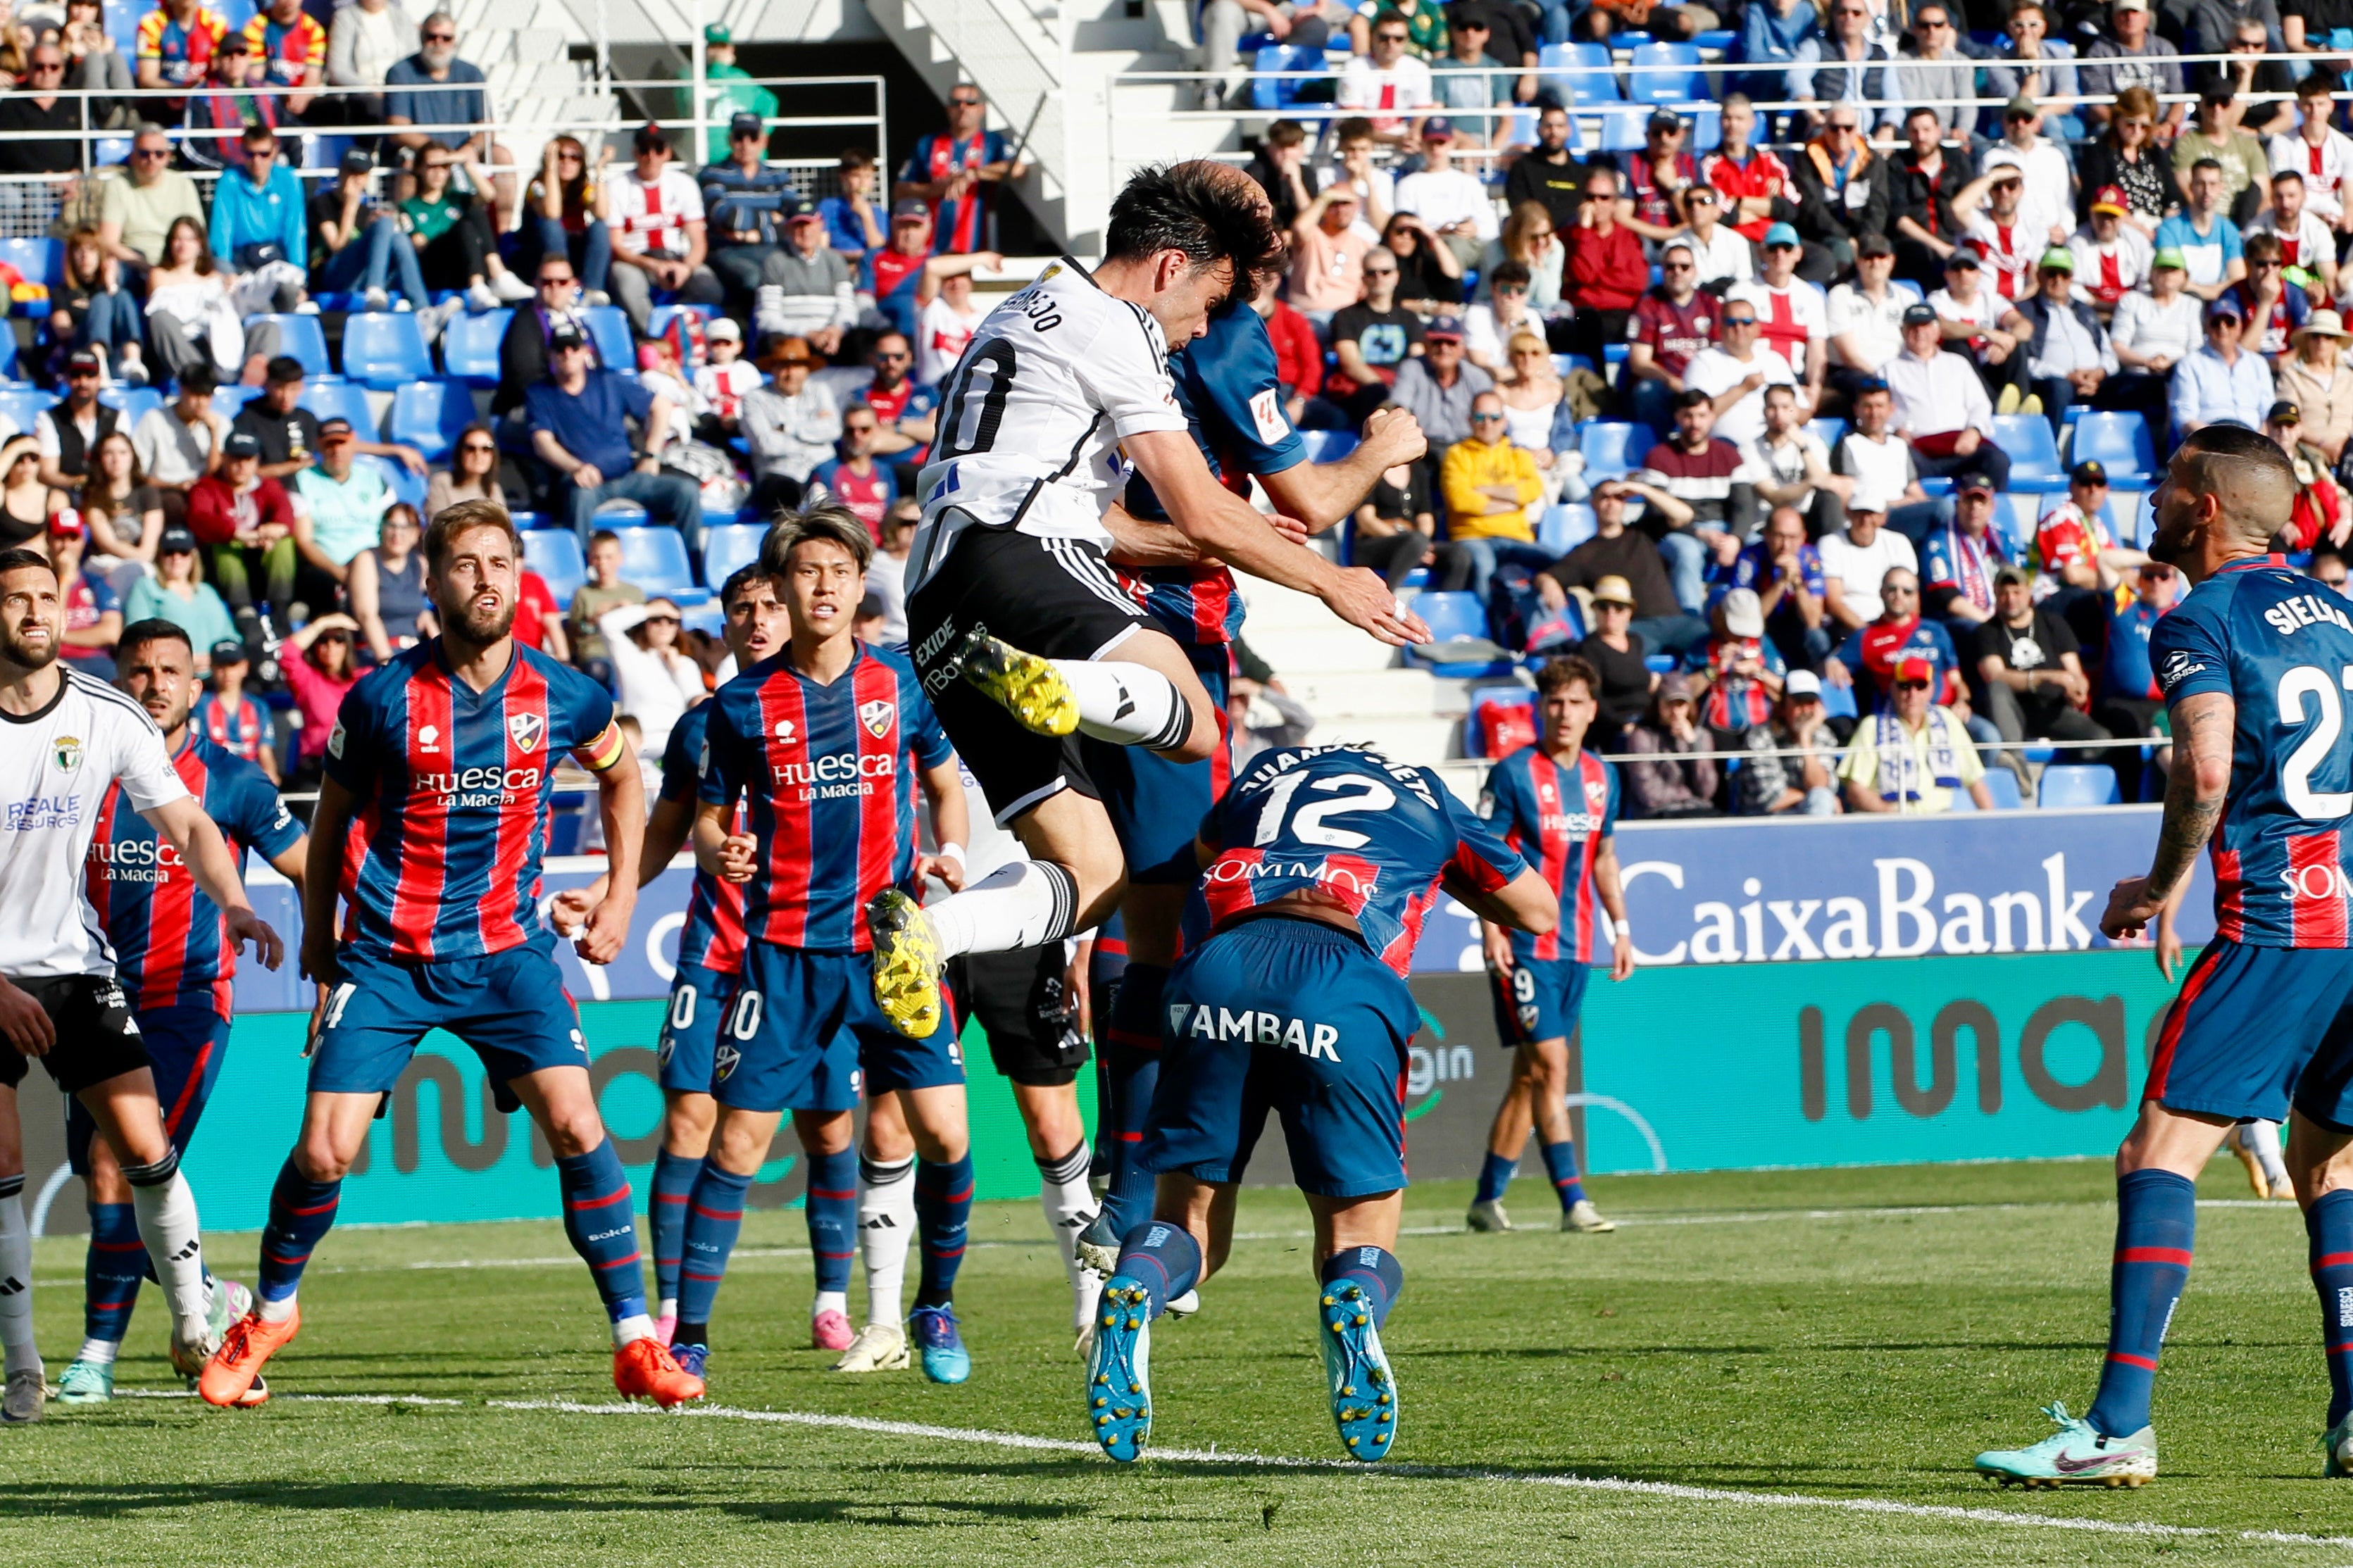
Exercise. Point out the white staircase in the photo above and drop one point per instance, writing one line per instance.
(522, 46)
(1356, 686)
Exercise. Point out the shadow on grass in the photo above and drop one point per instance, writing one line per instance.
(59, 1500)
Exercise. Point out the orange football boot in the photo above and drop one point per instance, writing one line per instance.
(228, 1378)
(643, 1369)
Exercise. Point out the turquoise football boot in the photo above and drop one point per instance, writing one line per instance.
(1119, 1370)
(2339, 1443)
(934, 1331)
(1364, 1391)
(87, 1383)
(2075, 1456)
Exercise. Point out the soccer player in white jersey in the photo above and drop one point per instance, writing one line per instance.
(1018, 627)
(71, 738)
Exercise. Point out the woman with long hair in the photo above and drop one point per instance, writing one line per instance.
(92, 310)
(472, 473)
(1527, 238)
(2128, 158)
(1532, 391)
(178, 593)
(563, 205)
(25, 503)
(124, 514)
(191, 317)
(1430, 276)
(387, 586)
(323, 667)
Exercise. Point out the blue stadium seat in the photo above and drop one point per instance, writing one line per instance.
(611, 328)
(1838, 702)
(20, 405)
(298, 336)
(708, 619)
(1708, 129)
(2077, 784)
(655, 560)
(230, 401)
(1476, 742)
(40, 260)
(1452, 617)
(1612, 450)
(406, 486)
(385, 349)
(122, 25)
(1624, 128)
(7, 356)
(135, 402)
(727, 547)
(1566, 527)
(1271, 92)
(341, 399)
(527, 520)
(1961, 799)
(658, 321)
(555, 554)
(1670, 80)
(1580, 72)
(1719, 39)
(2034, 452)
(1328, 446)
(2119, 443)
(429, 414)
(469, 345)
(2015, 514)
(1660, 663)
(2128, 516)
(2002, 784)
(1831, 431)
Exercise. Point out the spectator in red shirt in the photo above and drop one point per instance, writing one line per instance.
(539, 619)
(246, 523)
(1607, 271)
(1757, 190)
(1717, 487)
(1298, 357)
(1671, 323)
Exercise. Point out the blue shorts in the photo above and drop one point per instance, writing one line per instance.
(510, 1006)
(185, 1046)
(1540, 1000)
(804, 1033)
(1293, 1017)
(2248, 1023)
(698, 999)
(1156, 802)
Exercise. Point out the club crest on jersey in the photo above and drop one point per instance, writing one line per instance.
(877, 716)
(67, 750)
(527, 730)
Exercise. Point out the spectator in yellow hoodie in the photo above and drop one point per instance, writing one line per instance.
(1491, 494)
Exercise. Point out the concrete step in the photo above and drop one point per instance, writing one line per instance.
(1423, 740)
(1463, 778)
(1335, 649)
(1378, 694)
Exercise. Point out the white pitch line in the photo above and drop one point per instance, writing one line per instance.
(1674, 1491)
(305, 1398)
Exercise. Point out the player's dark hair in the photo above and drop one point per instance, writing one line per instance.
(2219, 457)
(1692, 397)
(740, 581)
(1567, 670)
(830, 523)
(1201, 209)
(18, 559)
(454, 520)
(155, 628)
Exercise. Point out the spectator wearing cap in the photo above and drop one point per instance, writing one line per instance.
(1327, 255)
(1618, 653)
(2077, 562)
(748, 204)
(1910, 756)
(2112, 256)
(214, 117)
(433, 87)
(1669, 781)
(1737, 674)
(1715, 491)
(1454, 205)
(2211, 245)
(2130, 57)
(341, 513)
(2030, 666)
(1771, 783)
(1981, 325)
(1866, 318)
(245, 521)
(956, 173)
(2151, 333)
(1627, 556)
(563, 203)
(226, 715)
(94, 610)
(1492, 494)
(1941, 409)
(733, 93)
(2318, 516)
(2274, 304)
(791, 426)
(356, 244)
(1733, 376)
(69, 431)
(2315, 378)
(2221, 384)
(1437, 388)
(364, 41)
(1658, 177)
(655, 213)
(805, 289)
(1844, 185)
(1923, 178)
(893, 274)
(2046, 201)
(2308, 244)
(178, 593)
(578, 428)
(1856, 562)
(1792, 319)
(1960, 559)
(1792, 593)
(855, 221)
(1793, 467)
(2070, 355)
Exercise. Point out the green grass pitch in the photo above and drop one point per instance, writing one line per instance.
(1800, 1364)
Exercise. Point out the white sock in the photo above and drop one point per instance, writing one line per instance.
(830, 1302)
(1023, 903)
(2263, 1139)
(98, 1352)
(168, 1223)
(628, 1330)
(668, 1307)
(16, 1281)
(1127, 704)
(1063, 1193)
(276, 1311)
(886, 1224)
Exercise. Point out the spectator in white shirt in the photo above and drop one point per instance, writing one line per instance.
(1857, 561)
(2111, 255)
(1792, 318)
(726, 378)
(790, 426)
(2151, 333)
(1988, 209)
(2317, 151)
(2046, 202)
(1452, 204)
(2070, 355)
(1388, 85)
(949, 316)
(654, 212)
(1982, 325)
(1735, 374)
(1722, 252)
(1880, 463)
(1866, 317)
(1941, 406)
(1376, 188)
(2308, 244)
(1793, 467)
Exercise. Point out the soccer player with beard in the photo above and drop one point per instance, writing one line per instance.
(71, 741)
(175, 968)
(446, 758)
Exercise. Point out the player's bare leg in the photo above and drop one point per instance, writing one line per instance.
(131, 1123)
(687, 1118)
(26, 1382)
(2320, 1166)
(1536, 1100)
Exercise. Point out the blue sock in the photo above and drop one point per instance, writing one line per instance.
(1560, 1163)
(117, 1263)
(832, 1205)
(301, 1212)
(942, 1213)
(1132, 1053)
(2156, 1226)
(714, 1218)
(674, 1179)
(2329, 1223)
(603, 1225)
(1375, 1268)
(1162, 1259)
(1494, 1176)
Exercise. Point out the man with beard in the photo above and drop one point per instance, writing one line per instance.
(74, 739)
(448, 753)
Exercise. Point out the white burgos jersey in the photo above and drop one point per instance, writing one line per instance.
(55, 768)
(1033, 415)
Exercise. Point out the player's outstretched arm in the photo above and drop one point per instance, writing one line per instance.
(1525, 902)
(1223, 525)
(1135, 543)
(621, 803)
(1321, 494)
(2195, 792)
(199, 842)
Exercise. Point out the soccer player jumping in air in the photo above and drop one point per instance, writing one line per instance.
(2256, 665)
(1321, 863)
(445, 759)
(1557, 804)
(1022, 634)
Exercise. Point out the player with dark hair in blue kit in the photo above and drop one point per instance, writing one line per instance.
(1233, 397)
(1321, 863)
(2256, 665)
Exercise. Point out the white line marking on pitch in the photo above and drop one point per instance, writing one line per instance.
(1668, 1490)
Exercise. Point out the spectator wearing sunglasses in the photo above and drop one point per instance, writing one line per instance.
(227, 107)
(36, 126)
(433, 87)
(137, 212)
(472, 473)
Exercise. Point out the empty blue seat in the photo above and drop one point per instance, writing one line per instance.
(20, 405)
(40, 260)
(2034, 452)
(405, 485)
(2128, 517)
(385, 349)
(341, 400)
(555, 554)
(1831, 431)
(300, 337)
(1566, 527)
(1453, 618)
(430, 413)
(727, 547)
(1664, 73)
(1838, 702)
(2120, 443)
(1269, 91)
(1718, 39)
(1581, 72)
(469, 345)
(615, 345)
(135, 402)
(2002, 784)
(1327, 446)
(1624, 128)
(655, 560)
(1612, 449)
(2078, 783)
(230, 401)
(526, 521)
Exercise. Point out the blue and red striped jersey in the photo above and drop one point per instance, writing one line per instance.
(2280, 646)
(823, 772)
(1372, 835)
(1557, 817)
(242, 729)
(453, 787)
(166, 933)
(714, 933)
